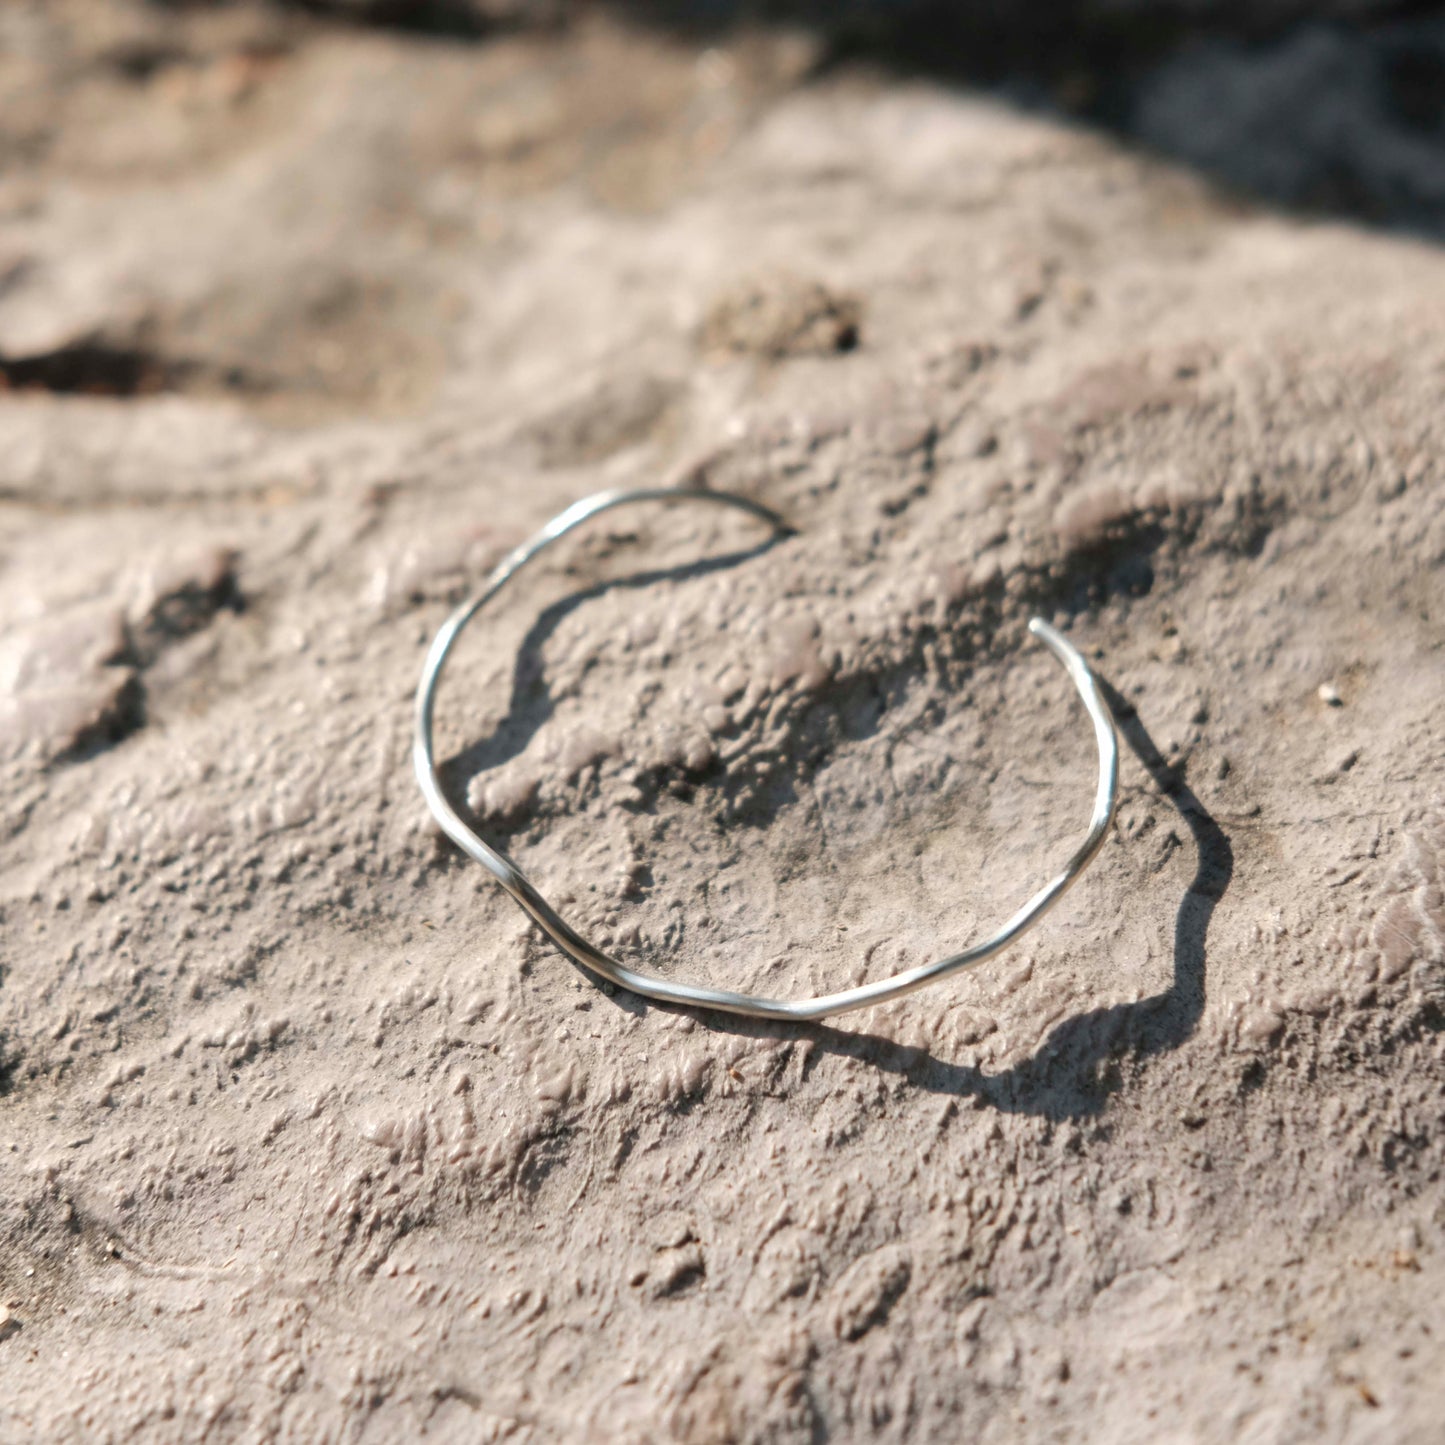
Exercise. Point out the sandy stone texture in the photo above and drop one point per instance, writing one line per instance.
(305, 1134)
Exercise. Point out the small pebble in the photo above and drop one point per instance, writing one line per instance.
(1329, 696)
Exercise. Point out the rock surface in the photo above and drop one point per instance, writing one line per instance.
(305, 1134)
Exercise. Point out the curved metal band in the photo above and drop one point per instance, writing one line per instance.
(666, 990)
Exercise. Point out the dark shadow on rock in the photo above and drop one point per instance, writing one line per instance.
(1076, 1067)
(1334, 109)
(9, 1056)
(458, 20)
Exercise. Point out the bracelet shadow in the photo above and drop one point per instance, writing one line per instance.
(1075, 1069)
(531, 703)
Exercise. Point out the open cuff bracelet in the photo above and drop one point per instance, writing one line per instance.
(670, 990)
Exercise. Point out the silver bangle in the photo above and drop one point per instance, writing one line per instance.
(666, 990)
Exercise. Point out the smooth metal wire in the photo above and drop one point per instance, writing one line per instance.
(667, 990)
